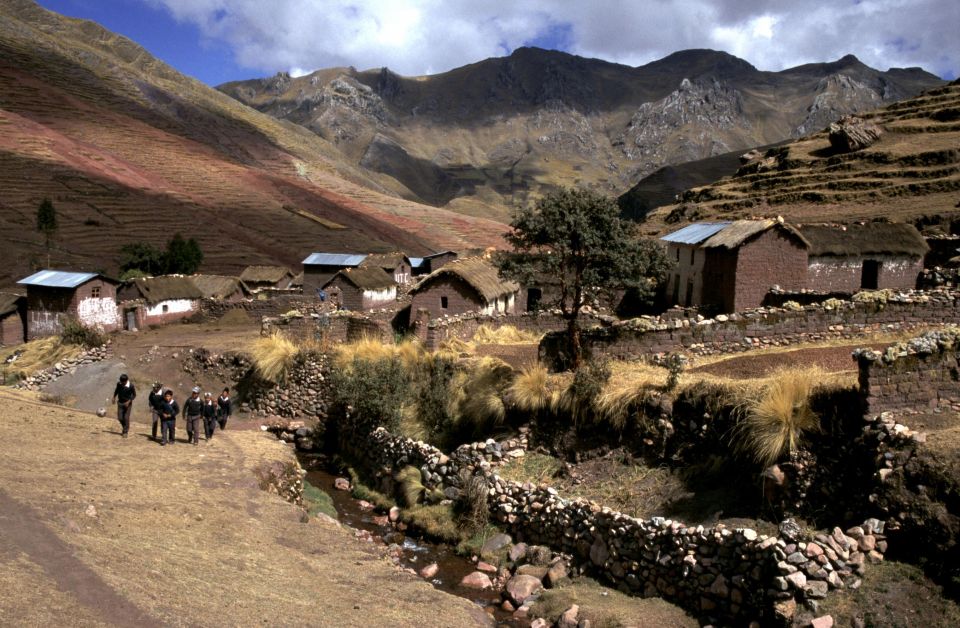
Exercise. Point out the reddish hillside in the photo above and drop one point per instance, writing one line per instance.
(129, 151)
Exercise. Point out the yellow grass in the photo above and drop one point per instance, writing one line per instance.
(273, 356)
(531, 390)
(477, 394)
(505, 335)
(36, 356)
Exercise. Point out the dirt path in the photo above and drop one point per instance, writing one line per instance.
(111, 531)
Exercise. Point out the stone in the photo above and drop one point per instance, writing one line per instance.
(816, 589)
(517, 552)
(784, 610)
(521, 587)
(91, 511)
(599, 552)
(495, 543)
(867, 543)
(797, 580)
(851, 133)
(394, 514)
(558, 572)
(537, 571)
(569, 617)
(789, 530)
(476, 580)
(430, 571)
(486, 567)
(826, 621)
(341, 484)
(539, 622)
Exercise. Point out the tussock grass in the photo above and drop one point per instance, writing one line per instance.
(410, 486)
(476, 395)
(456, 347)
(778, 421)
(533, 467)
(629, 385)
(273, 356)
(531, 390)
(316, 500)
(36, 356)
(505, 335)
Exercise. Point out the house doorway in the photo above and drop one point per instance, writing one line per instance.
(534, 296)
(689, 300)
(870, 275)
(131, 320)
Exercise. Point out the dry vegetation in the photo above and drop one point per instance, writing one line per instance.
(35, 356)
(273, 356)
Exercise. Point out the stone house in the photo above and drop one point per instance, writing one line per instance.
(219, 287)
(360, 289)
(158, 300)
(54, 296)
(257, 278)
(467, 285)
(397, 265)
(319, 269)
(731, 266)
(869, 256)
(13, 308)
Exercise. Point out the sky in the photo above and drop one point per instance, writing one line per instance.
(223, 40)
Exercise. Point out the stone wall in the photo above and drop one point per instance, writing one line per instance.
(865, 313)
(921, 374)
(432, 333)
(39, 380)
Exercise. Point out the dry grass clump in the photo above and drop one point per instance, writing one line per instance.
(36, 355)
(456, 347)
(505, 335)
(630, 383)
(366, 349)
(778, 421)
(273, 356)
(534, 389)
(476, 395)
(410, 486)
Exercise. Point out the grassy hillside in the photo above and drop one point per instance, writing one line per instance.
(911, 174)
(130, 150)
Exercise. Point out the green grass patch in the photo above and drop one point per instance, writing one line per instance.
(434, 521)
(608, 608)
(471, 545)
(533, 467)
(316, 501)
(364, 492)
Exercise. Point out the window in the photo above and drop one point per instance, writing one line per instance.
(678, 253)
(165, 308)
(95, 292)
(693, 255)
(443, 303)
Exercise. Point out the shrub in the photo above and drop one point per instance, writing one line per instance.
(273, 356)
(472, 510)
(588, 383)
(74, 332)
(778, 421)
(434, 395)
(376, 390)
(476, 398)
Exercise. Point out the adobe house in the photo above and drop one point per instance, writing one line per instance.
(397, 265)
(319, 269)
(429, 263)
(467, 285)
(55, 295)
(219, 287)
(360, 289)
(158, 300)
(13, 308)
(257, 278)
(731, 266)
(870, 256)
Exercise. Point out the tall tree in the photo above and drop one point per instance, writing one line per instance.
(574, 243)
(183, 256)
(47, 220)
(139, 259)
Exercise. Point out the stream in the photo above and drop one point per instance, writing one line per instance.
(414, 553)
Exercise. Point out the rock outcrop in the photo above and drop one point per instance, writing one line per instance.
(851, 133)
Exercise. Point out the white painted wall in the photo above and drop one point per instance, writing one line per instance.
(380, 296)
(98, 312)
(174, 306)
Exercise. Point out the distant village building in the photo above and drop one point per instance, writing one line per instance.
(429, 263)
(13, 309)
(219, 287)
(360, 289)
(397, 265)
(874, 255)
(731, 266)
(467, 285)
(257, 278)
(319, 269)
(158, 300)
(55, 295)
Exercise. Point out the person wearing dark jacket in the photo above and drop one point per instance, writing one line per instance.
(168, 417)
(123, 396)
(224, 408)
(193, 412)
(154, 402)
(209, 415)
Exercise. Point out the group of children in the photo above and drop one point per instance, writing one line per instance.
(196, 410)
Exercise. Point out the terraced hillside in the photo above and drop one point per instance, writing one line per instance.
(129, 150)
(912, 173)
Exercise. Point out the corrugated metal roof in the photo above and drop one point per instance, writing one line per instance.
(416, 262)
(695, 233)
(334, 259)
(57, 279)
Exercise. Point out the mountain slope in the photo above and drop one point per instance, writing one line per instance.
(912, 173)
(501, 130)
(129, 150)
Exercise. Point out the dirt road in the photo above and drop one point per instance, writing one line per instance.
(97, 530)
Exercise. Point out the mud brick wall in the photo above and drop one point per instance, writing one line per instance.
(919, 375)
(638, 338)
(213, 309)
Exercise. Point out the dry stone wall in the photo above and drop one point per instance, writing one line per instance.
(433, 332)
(39, 381)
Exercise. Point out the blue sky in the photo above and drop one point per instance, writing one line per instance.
(222, 40)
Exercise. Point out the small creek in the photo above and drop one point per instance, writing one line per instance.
(413, 553)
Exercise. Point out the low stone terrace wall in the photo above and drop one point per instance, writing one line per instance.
(921, 374)
(832, 319)
(433, 332)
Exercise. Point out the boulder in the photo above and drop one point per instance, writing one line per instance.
(430, 571)
(521, 587)
(599, 552)
(569, 617)
(851, 133)
(537, 571)
(495, 543)
(486, 567)
(558, 572)
(476, 580)
(539, 622)
(822, 622)
(341, 484)
(517, 552)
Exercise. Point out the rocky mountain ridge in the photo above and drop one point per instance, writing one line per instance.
(497, 132)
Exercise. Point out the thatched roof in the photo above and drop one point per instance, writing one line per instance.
(739, 231)
(297, 281)
(384, 260)
(166, 288)
(216, 286)
(365, 278)
(265, 274)
(479, 273)
(872, 238)
(9, 303)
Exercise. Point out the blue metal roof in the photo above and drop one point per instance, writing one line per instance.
(695, 233)
(334, 259)
(416, 262)
(57, 279)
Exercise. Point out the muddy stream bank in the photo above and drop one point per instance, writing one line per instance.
(408, 550)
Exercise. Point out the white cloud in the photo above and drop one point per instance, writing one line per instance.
(425, 36)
